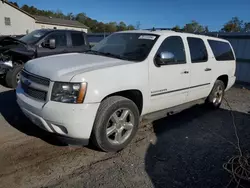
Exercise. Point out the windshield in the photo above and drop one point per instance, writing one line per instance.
(129, 46)
(33, 37)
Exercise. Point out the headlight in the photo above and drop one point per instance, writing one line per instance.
(68, 92)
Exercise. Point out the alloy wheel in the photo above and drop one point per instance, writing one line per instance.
(120, 126)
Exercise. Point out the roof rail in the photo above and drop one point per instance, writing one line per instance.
(159, 29)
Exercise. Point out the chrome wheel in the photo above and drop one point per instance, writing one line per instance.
(120, 126)
(218, 95)
(18, 77)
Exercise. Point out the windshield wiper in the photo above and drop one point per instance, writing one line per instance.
(107, 54)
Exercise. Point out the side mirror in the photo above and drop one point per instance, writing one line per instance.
(165, 58)
(51, 43)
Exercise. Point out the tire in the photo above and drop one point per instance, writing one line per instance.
(110, 111)
(216, 96)
(11, 76)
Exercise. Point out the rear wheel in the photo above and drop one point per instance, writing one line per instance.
(217, 94)
(116, 124)
(13, 76)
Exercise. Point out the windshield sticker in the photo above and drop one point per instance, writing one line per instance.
(37, 35)
(147, 37)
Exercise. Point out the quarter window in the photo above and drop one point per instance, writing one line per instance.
(198, 50)
(221, 50)
(174, 45)
(77, 39)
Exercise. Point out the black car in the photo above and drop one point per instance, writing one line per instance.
(14, 53)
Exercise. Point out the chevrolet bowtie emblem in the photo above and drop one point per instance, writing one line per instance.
(27, 82)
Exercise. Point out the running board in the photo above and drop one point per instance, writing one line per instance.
(170, 111)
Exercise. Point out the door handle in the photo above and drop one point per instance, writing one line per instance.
(185, 72)
(208, 69)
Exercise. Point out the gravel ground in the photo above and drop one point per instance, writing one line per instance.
(185, 150)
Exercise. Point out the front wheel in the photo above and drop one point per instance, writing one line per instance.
(217, 94)
(13, 76)
(116, 124)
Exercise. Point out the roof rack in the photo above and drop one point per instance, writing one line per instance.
(159, 29)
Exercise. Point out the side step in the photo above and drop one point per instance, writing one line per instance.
(170, 111)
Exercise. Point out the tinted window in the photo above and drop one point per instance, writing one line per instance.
(77, 39)
(222, 50)
(175, 46)
(61, 39)
(129, 46)
(34, 36)
(198, 50)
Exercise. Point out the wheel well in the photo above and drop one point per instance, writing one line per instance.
(224, 79)
(133, 95)
(19, 62)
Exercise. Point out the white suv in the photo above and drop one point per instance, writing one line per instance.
(104, 93)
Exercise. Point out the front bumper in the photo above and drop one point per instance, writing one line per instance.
(68, 120)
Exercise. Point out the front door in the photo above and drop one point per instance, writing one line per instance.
(61, 45)
(201, 69)
(169, 83)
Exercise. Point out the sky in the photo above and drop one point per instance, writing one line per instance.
(152, 13)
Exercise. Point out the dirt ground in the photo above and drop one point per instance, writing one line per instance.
(185, 150)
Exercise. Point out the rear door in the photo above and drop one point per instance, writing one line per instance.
(61, 44)
(169, 83)
(78, 42)
(200, 68)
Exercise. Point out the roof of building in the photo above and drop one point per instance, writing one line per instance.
(10, 4)
(59, 21)
(49, 20)
(236, 35)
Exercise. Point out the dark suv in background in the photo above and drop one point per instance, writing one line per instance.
(39, 43)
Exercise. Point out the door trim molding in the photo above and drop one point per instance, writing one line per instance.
(155, 93)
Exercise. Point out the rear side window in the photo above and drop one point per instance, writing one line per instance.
(222, 50)
(174, 45)
(77, 39)
(198, 50)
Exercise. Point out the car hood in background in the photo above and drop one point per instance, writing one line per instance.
(10, 48)
(9, 42)
(64, 67)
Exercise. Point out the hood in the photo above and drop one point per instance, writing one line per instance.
(10, 41)
(19, 52)
(8, 45)
(64, 67)
(23, 51)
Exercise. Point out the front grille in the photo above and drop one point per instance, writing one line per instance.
(34, 93)
(36, 79)
(28, 87)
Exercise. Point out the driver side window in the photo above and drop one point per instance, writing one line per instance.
(175, 46)
(60, 38)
